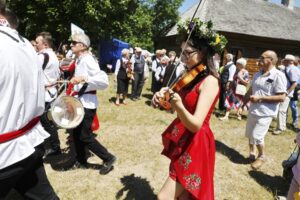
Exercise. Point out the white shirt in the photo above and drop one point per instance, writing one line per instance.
(22, 97)
(293, 74)
(118, 64)
(97, 79)
(267, 85)
(160, 72)
(154, 64)
(70, 54)
(231, 70)
(51, 73)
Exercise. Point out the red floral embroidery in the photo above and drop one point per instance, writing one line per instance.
(185, 160)
(175, 132)
(182, 140)
(192, 182)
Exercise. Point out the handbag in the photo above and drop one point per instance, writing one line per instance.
(289, 164)
(240, 89)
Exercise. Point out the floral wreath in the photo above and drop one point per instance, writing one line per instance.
(203, 30)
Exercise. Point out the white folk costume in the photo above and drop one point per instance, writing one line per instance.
(21, 133)
(51, 72)
(87, 66)
(22, 97)
(95, 79)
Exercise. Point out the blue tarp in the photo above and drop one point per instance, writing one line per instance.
(110, 52)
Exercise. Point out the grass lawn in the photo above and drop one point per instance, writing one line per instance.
(133, 133)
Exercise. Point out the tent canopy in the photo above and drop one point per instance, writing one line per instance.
(110, 52)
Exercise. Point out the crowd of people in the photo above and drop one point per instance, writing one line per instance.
(134, 68)
(26, 130)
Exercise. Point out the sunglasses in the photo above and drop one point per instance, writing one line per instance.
(263, 58)
(74, 42)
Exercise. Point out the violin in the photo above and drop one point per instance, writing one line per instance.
(129, 70)
(181, 83)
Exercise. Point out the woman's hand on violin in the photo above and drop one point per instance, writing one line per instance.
(77, 79)
(157, 96)
(175, 99)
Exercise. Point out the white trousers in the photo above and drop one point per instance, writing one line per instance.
(282, 114)
(256, 128)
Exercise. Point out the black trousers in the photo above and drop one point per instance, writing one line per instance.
(83, 137)
(222, 97)
(28, 177)
(51, 128)
(137, 85)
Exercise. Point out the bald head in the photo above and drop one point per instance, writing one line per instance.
(271, 54)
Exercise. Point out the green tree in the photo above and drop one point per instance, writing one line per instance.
(135, 21)
(165, 16)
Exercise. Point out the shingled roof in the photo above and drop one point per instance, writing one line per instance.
(250, 17)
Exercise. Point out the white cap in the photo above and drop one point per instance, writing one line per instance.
(289, 57)
(138, 49)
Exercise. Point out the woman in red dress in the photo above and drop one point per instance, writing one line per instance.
(188, 141)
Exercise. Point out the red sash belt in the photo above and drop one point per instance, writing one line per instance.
(14, 134)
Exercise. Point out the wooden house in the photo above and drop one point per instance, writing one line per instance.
(251, 27)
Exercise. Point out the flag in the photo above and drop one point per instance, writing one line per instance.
(76, 29)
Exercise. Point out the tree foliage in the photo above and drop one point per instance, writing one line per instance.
(137, 22)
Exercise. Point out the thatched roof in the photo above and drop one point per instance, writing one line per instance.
(250, 17)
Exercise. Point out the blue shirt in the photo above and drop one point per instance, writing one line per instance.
(293, 74)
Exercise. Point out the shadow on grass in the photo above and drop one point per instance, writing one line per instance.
(147, 96)
(276, 184)
(148, 102)
(233, 155)
(136, 188)
(66, 159)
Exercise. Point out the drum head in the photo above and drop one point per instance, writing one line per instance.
(67, 112)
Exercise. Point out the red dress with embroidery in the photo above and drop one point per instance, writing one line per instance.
(192, 154)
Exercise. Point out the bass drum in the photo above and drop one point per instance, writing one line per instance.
(66, 112)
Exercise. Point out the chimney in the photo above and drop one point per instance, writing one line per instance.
(288, 3)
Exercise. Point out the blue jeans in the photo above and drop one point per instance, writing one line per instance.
(294, 108)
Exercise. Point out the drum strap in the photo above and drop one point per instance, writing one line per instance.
(81, 91)
(14, 134)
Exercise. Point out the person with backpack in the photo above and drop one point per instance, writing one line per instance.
(50, 65)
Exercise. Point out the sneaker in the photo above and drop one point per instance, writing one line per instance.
(258, 163)
(51, 152)
(277, 132)
(79, 165)
(280, 198)
(239, 117)
(108, 166)
(223, 118)
(295, 125)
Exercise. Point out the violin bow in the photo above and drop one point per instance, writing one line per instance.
(185, 44)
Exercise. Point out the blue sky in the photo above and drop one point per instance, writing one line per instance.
(188, 3)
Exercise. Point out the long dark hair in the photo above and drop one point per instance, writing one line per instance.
(203, 45)
(208, 52)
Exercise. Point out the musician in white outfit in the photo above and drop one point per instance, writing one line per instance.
(21, 133)
(87, 79)
(50, 65)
